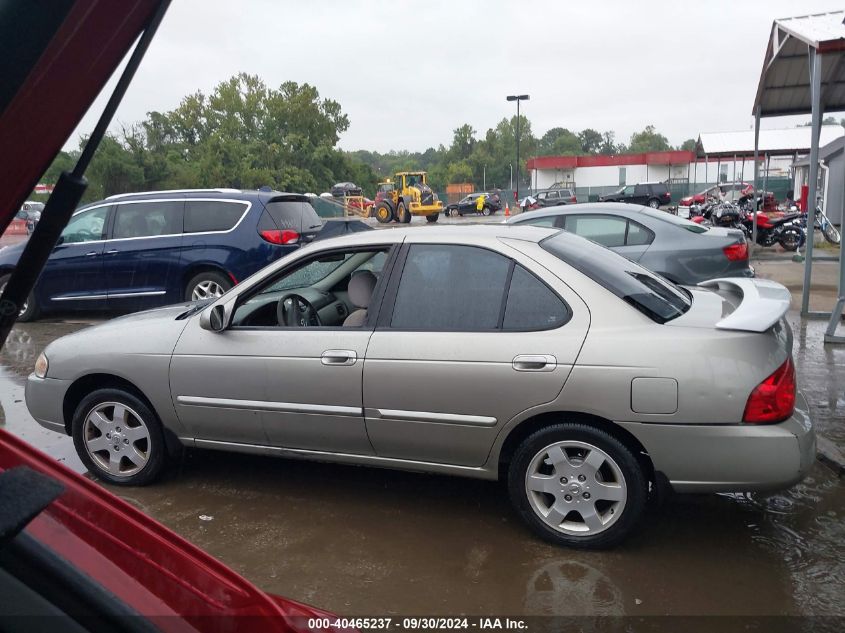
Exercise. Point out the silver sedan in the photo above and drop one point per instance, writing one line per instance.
(680, 250)
(531, 354)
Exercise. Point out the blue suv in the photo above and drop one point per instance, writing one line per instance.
(136, 251)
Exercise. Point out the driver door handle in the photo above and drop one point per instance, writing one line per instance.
(534, 362)
(339, 357)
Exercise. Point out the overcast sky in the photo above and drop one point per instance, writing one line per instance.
(407, 73)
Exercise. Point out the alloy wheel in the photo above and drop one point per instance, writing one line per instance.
(117, 439)
(575, 488)
(207, 290)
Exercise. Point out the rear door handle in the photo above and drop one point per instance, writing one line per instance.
(534, 362)
(112, 252)
(339, 357)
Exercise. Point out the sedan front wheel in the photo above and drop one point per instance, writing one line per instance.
(578, 486)
(118, 437)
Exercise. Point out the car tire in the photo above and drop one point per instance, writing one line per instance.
(654, 203)
(30, 311)
(384, 213)
(403, 216)
(119, 437)
(208, 284)
(486, 210)
(593, 508)
(432, 218)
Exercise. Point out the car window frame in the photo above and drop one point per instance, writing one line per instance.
(373, 310)
(388, 305)
(248, 207)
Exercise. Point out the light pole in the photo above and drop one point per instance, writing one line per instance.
(511, 166)
(517, 98)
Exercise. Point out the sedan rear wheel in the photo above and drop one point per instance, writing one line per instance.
(654, 203)
(578, 486)
(118, 437)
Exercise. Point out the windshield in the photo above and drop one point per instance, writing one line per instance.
(310, 274)
(657, 298)
(674, 219)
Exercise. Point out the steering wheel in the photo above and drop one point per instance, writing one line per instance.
(294, 310)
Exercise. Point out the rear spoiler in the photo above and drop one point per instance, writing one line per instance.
(764, 302)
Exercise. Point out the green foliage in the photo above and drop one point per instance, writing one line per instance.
(689, 145)
(649, 140)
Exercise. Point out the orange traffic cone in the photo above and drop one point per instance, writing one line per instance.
(507, 210)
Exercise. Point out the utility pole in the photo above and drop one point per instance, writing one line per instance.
(517, 98)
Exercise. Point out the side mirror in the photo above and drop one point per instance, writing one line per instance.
(217, 318)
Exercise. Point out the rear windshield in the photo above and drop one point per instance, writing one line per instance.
(674, 219)
(293, 214)
(657, 298)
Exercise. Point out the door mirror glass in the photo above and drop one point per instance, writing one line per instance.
(216, 318)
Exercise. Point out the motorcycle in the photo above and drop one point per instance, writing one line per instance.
(772, 230)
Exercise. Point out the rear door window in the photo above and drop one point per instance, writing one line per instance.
(148, 219)
(532, 305)
(638, 235)
(212, 215)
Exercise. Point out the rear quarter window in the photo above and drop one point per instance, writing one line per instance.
(212, 215)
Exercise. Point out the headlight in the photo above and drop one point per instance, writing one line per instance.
(41, 365)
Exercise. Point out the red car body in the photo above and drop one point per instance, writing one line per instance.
(143, 564)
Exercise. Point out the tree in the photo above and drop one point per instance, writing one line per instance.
(649, 140)
(608, 145)
(591, 141)
(689, 145)
(559, 141)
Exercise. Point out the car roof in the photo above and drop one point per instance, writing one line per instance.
(470, 233)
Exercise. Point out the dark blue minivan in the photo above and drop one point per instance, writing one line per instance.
(135, 251)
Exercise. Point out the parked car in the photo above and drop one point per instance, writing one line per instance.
(79, 558)
(469, 205)
(136, 251)
(585, 378)
(555, 197)
(346, 189)
(652, 194)
(30, 213)
(682, 251)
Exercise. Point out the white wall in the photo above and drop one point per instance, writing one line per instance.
(699, 172)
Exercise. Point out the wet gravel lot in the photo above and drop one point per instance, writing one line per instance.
(368, 541)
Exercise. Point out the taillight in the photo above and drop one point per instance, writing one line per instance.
(773, 400)
(573, 199)
(736, 252)
(275, 236)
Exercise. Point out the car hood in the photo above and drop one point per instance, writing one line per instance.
(148, 333)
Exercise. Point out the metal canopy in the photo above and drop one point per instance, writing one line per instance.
(784, 86)
(803, 73)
